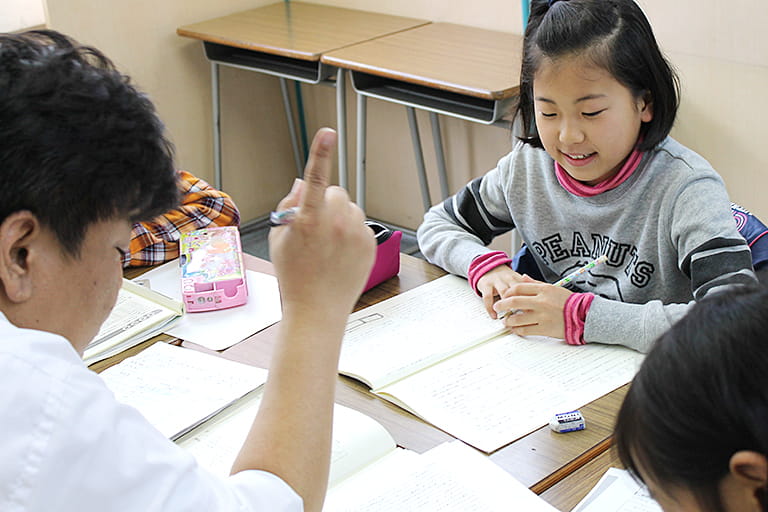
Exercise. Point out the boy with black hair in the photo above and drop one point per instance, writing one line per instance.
(82, 157)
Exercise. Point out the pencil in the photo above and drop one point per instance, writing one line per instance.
(592, 264)
(283, 217)
(567, 279)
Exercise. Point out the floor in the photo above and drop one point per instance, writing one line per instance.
(254, 240)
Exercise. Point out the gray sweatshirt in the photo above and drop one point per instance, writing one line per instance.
(667, 230)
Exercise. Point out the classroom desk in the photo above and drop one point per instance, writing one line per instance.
(443, 68)
(539, 460)
(286, 39)
(567, 493)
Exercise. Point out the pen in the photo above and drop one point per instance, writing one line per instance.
(567, 279)
(283, 217)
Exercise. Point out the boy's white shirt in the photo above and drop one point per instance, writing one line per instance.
(67, 445)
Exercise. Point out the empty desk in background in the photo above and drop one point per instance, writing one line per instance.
(454, 70)
(286, 39)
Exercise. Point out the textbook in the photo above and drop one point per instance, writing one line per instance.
(138, 315)
(369, 472)
(435, 352)
(177, 389)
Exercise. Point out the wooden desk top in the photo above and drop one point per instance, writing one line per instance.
(538, 460)
(541, 460)
(408, 430)
(297, 30)
(456, 58)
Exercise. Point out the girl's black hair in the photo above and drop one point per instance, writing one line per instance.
(616, 36)
(78, 142)
(700, 396)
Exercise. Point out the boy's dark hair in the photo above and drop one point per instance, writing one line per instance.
(700, 396)
(78, 143)
(616, 36)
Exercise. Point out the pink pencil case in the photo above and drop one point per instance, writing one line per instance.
(212, 271)
(387, 263)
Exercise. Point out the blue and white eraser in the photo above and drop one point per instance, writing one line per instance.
(567, 422)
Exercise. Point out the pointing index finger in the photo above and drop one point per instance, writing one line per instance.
(318, 170)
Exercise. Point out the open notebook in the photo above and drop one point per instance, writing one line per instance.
(138, 315)
(208, 403)
(369, 472)
(435, 352)
(177, 389)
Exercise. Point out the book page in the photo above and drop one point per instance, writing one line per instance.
(137, 315)
(221, 329)
(617, 491)
(358, 440)
(501, 390)
(451, 478)
(177, 388)
(399, 336)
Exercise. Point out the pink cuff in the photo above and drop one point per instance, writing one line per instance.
(483, 263)
(575, 314)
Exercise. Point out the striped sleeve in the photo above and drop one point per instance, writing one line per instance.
(468, 210)
(460, 228)
(711, 251)
(718, 262)
(157, 241)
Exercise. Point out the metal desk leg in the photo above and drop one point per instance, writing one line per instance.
(341, 126)
(438, 141)
(216, 103)
(412, 122)
(362, 115)
(292, 128)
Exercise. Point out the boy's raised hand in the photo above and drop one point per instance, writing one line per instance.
(324, 256)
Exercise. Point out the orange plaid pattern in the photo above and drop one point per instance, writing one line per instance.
(157, 241)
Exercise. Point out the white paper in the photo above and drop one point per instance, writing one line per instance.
(396, 337)
(357, 439)
(501, 390)
(617, 491)
(176, 388)
(435, 351)
(221, 329)
(450, 477)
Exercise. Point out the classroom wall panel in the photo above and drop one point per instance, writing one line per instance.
(722, 117)
(140, 37)
(720, 49)
(489, 14)
(732, 30)
(18, 15)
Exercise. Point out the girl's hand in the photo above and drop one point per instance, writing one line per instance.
(538, 308)
(495, 283)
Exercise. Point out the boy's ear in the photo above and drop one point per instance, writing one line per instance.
(750, 469)
(17, 232)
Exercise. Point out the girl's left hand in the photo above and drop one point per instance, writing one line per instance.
(538, 309)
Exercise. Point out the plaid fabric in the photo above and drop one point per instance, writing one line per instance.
(157, 241)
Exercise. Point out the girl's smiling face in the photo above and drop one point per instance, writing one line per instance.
(587, 121)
